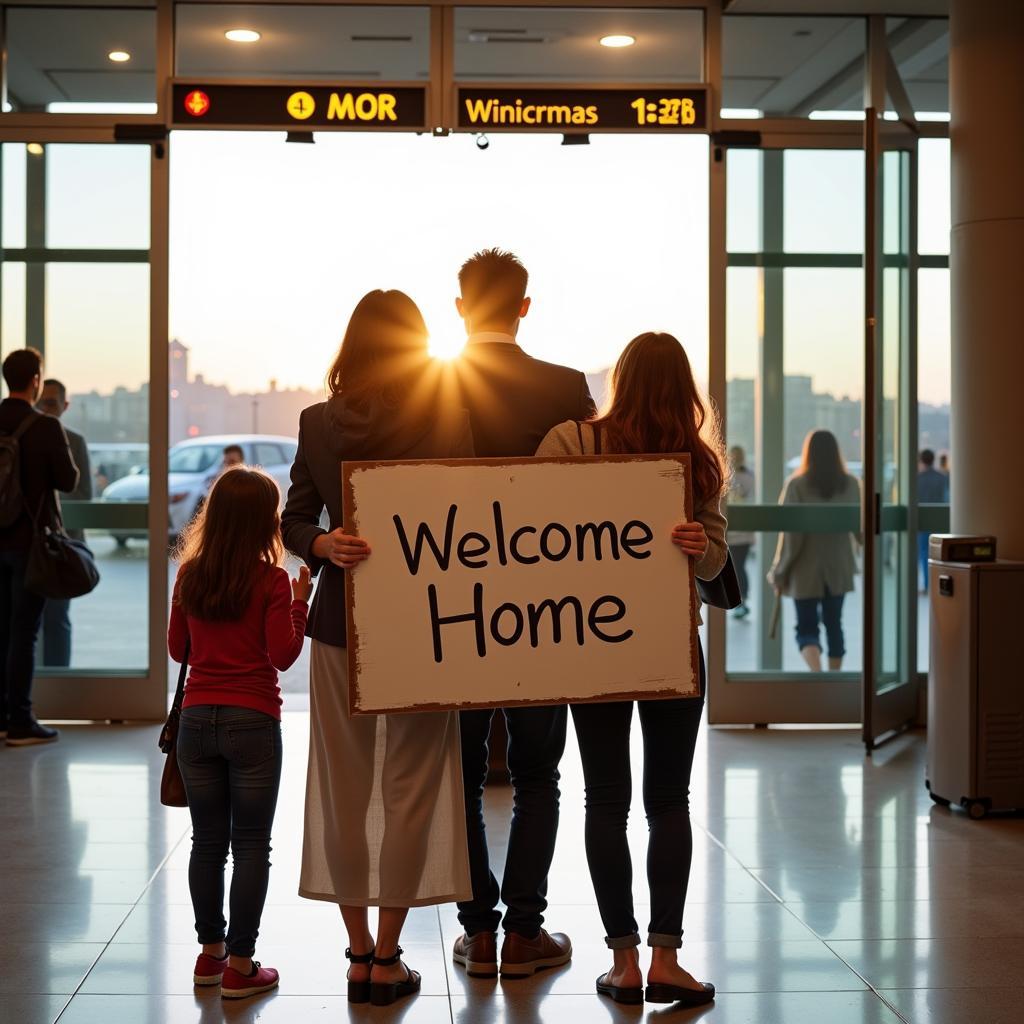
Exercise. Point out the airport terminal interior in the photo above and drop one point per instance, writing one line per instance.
(820, 198)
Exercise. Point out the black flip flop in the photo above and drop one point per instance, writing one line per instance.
(630, 996)
(386, 993)
(359, 991)
(683, 997)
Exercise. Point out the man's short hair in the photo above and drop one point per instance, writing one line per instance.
(927, 457)
(52, 382)
(21, 366)
(236, 448)
(493, 284)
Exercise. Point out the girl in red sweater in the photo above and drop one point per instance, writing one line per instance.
(238, 621)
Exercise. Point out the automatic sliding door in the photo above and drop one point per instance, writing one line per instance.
(794, 367)
(76, 285)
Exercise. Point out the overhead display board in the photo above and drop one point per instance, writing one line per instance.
(555, 109)
(298, 107)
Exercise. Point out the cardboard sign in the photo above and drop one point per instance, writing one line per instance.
(504, 582)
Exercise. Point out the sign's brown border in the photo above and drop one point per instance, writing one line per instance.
(350, 520)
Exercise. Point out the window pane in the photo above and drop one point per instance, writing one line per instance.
(97, 344)
(920, 48)
(824, 201)
(58, 58)
(14, 157)
(791, 66)
(116, 181)
(305, 42)
(13, 299)
(933, 198)
(562, 45)
(743, 201)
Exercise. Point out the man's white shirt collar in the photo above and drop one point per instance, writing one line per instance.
(490, 337)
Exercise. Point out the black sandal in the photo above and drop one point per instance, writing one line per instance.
(359, 991)
(630, 996)
(683, 997)
(385, 993)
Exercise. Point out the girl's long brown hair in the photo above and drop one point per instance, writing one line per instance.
(822, 463)
(655, 406)
(235, 534)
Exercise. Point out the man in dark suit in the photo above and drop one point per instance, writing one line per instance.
(44, 464)
(513, 401)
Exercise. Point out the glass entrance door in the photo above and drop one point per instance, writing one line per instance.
(794, 369)
(890, 690)
(76, 274)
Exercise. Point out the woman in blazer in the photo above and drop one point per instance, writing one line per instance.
(817, 569)
(655, 407)
(385, 821)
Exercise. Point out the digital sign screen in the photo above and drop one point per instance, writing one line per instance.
(653, 109)
(300, 107)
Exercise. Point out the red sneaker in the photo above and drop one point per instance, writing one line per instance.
(238, 986)
(209, 970)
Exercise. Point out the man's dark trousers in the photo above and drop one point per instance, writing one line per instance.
(21, 613)
(536, 743)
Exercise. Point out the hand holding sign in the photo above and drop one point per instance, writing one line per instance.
(691, 538)
(341, 549)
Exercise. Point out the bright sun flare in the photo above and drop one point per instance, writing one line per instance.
(447, 347)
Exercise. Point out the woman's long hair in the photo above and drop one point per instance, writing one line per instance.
(822, 463)
(383, 354)
(655, 406)
(235, 534)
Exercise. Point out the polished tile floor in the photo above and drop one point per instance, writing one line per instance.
(825, 887)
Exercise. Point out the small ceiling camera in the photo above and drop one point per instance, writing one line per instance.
(482, 142)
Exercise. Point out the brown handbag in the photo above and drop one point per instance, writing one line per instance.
(172, 786)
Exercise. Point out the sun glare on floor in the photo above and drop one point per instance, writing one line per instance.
(447, 347)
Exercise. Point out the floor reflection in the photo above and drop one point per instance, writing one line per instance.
(825, 886)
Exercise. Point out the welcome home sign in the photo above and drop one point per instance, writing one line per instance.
(504, 582)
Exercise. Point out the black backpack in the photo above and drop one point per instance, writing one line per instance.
(12, 501)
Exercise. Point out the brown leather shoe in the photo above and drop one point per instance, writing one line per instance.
(478, 954)
(521, 957)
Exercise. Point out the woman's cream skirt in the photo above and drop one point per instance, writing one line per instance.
(385, 818)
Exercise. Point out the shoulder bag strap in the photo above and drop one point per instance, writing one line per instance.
(179, 693)
(579, 432)
(596, 427)
(29, 421)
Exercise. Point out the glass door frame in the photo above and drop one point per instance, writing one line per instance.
(138, 694)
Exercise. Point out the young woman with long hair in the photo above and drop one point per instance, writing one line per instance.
(817, 569)
(237, 619)
(385, 821)
(654, 407)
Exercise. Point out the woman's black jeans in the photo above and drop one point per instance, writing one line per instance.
(670, 735)
(230, 761)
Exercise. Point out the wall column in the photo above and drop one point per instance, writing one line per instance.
(987, 270)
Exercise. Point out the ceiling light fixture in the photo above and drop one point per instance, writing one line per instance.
(616, 42)
(119, 56)
(242, 35)
(35, 148)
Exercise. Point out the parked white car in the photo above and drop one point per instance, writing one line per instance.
(193, 466)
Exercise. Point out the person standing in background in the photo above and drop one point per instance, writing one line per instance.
(817, 569)
(39, 464)
(932, 489)
(741, 491)
(57, 614)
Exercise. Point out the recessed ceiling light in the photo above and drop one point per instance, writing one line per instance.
(35, 148)
(119, 56)
(617, 41)
(242, 35)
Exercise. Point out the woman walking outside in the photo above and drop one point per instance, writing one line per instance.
(385, 821)
(817, 569)
(654, 407)
(237, 620)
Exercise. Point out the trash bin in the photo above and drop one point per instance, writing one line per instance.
(975, 677)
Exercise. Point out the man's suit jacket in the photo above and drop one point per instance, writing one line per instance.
(46, 466)
(514, 400)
